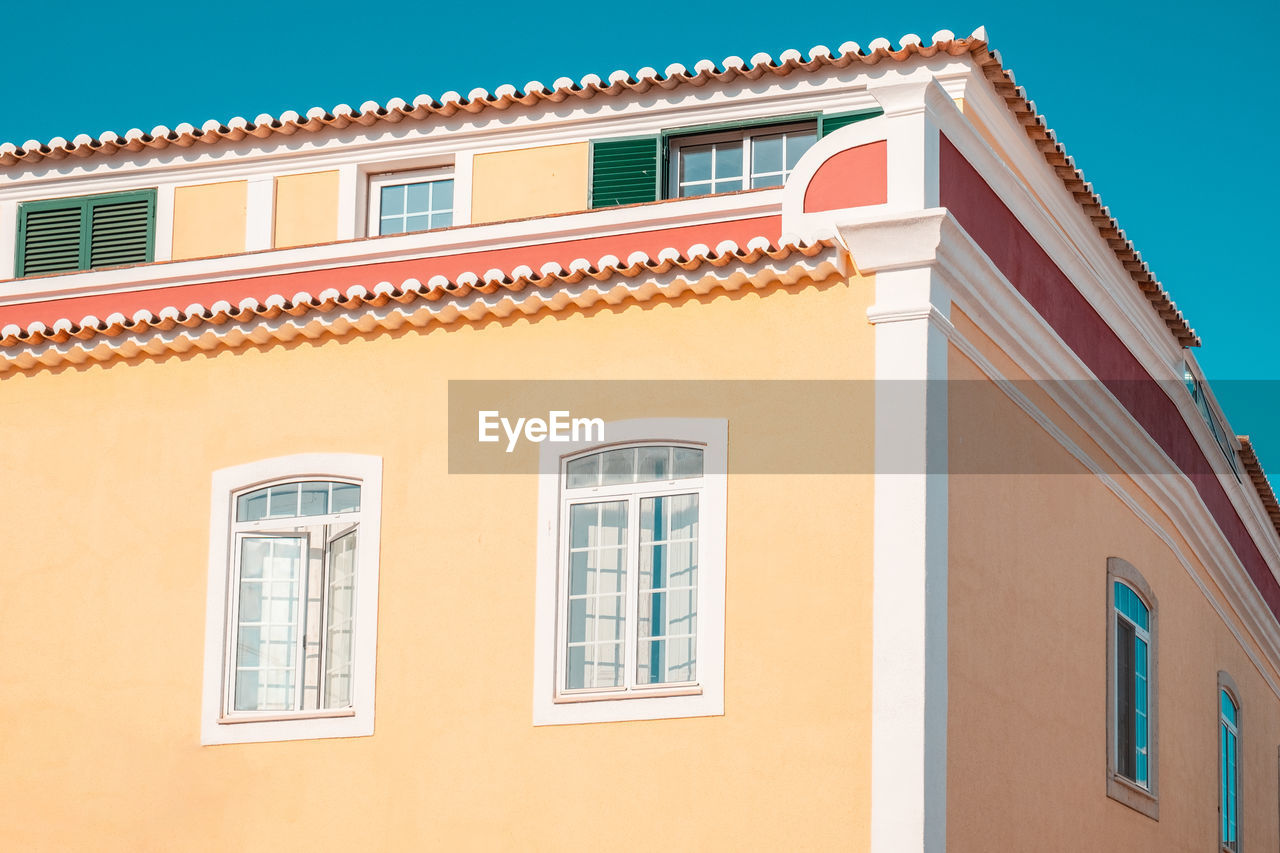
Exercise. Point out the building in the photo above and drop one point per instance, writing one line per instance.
(913, 525)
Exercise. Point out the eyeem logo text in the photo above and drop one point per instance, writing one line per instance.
(559, 426)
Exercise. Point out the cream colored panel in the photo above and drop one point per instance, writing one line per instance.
(530, 182)
(208, 220)
(306, 209)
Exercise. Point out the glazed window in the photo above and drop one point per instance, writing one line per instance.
(293, 587)
(90, 232)
(403, 202)
(704, 164)
(630, 568)
(1131, 689)
(1212, 416)
(1228, 765)
(631, 581)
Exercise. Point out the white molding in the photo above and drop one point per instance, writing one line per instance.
(225, 482)
(8, 238)
(163, 238)
(349, 178)
(261, 260)
(259, 234)
(713, 432)
(463, 184)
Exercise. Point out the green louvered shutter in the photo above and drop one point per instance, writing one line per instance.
(49, 238)
(830, 123)
(121, 230)
(625, 171)
(69, 234)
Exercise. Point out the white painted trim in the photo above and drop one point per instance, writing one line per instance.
(259, 229)
(349, 178)
(163, 238)
(711, 432)
(909, 599)
(227, 481)
(262, 260)
(464, 185)
(8, 238)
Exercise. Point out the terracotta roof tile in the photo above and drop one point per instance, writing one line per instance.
(1259, 478)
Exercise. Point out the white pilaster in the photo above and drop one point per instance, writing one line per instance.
(260, 214)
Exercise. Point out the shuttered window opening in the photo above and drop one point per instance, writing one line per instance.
(625, 171)
(69, 234)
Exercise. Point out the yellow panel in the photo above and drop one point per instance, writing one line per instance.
(529, 182)
(306, 209)
(208, 219)
(104, 656)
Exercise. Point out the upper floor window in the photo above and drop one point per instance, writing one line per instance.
(401, 202)
(1228, 765)
(293, 586)
(89, 232)
(737, 159)
(1199, 391)
(1131, 713)
(635, 567)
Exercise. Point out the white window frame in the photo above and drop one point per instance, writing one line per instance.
(1140, 798)
(553, 705)
(219, 727)
(394, 179)
(745, 135)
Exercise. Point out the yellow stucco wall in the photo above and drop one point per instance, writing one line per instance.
(106, 633)
(529, 182)
(306, 209)
(1027, 655)
(209, 219)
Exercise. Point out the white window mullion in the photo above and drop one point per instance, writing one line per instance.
(631, 607)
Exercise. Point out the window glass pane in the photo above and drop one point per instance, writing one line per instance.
(701, 188)
(597, 594)
(728, 161)
(1140, 696)
(1228, 707)
(391, 225)
(392, 203)
(584, 471)
(1128, 603)
(618, 466)
(267, 630)
(417, 198)
(688, 462)
(667, 626)
(798, 142)
(315, 499)
(346, 497)
(340, 621)
(442, 195)
(417, 222)
(283, 501)
(654, 463)
(442, 220)
(766, 154)
(253, 506)
(695, 164)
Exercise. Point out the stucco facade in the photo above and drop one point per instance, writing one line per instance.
(945, 394)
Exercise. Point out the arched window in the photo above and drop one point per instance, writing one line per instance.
(291, 629)
(1132, 739)
(1228, 764)
(631, 574)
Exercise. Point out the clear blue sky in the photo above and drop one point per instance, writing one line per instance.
(1167, 107)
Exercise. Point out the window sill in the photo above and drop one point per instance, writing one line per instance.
(622, 696)
(286, 715)
(1133, 795)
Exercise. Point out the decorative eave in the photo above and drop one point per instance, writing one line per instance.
(469, 296)
(619, 82)
(1259, 479)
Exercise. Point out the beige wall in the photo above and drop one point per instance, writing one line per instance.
(106, 584)
(529, 182)
(209, 219)
(1027, 665)
(306, 209)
